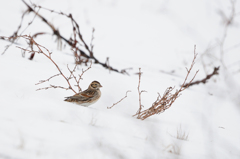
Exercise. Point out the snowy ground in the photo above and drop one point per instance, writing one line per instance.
(158, 36)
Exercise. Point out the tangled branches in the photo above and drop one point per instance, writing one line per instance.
(76, 42)
(43, 50)
(168, 98)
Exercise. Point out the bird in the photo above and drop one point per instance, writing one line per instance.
(88, 96)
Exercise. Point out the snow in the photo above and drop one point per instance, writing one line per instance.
(158, 36)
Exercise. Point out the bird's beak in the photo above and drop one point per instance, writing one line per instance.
(100, 85)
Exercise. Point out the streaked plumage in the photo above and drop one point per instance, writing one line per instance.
(87, 97)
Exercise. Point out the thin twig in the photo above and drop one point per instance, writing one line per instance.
(80, 76)
(215, 72)
(71, 73)
(91, 44)
(139, 93)
(52, 86)
(120, 100)
(42, 81)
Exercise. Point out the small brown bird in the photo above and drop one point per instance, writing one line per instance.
(87, 97)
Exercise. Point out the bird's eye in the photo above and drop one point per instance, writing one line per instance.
(94, 85)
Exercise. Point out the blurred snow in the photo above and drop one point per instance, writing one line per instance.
(158, 36)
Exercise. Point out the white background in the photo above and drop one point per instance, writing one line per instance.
(156, 35)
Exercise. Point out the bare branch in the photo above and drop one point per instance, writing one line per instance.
(52, 86)
(73, 43)
(42, 81)
(168, 98)
(41, 50)
(80, 76)
(139, 94)
(71, 72)
(91, 44)
(15, 34)
(119, 101)
(215, 72)
(48, 55)
(77, 80)
(189, 70)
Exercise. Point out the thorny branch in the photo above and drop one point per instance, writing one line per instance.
(73, 43)
(120, 100)
(166, 101)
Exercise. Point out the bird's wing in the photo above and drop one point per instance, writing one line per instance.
(83, 95)
(87, 93)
